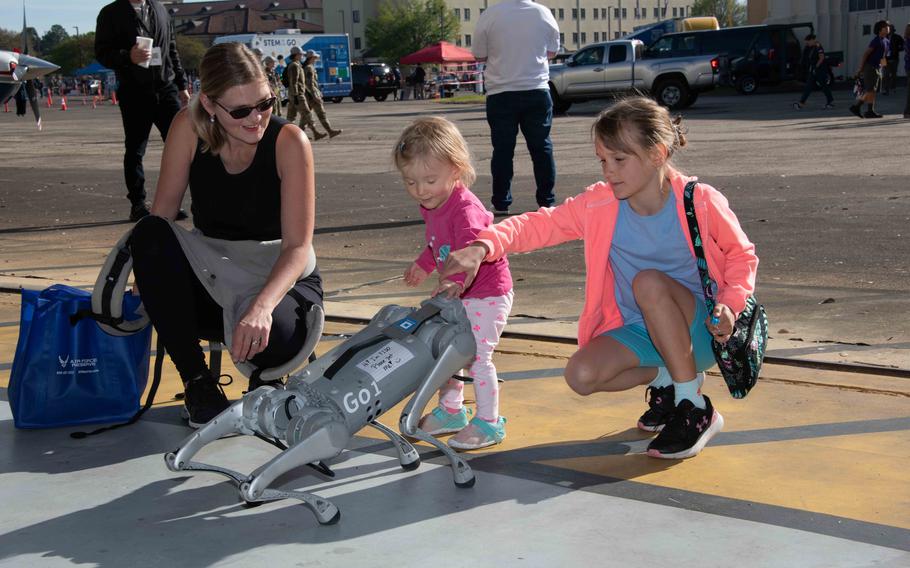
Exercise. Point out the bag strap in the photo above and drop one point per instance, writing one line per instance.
(706, 282)
(107, 295)
(398, 330)
(149, 400)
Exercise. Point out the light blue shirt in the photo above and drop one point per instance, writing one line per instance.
(650, 242)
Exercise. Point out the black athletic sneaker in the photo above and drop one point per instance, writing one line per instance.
(855, 109)
(138, 211)
(203, 400)
(687, 431)
(872, 114)
(660, 407)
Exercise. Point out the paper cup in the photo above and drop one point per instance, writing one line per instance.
(144, 43)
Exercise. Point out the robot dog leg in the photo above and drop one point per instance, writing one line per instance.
(401, 351)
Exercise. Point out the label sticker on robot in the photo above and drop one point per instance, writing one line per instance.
(389, 357)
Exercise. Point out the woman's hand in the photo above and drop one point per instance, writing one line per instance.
(466, 260)
(450, 288)
(251, 334)
(414, 275)
(720, 323)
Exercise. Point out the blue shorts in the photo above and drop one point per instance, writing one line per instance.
(636, 338)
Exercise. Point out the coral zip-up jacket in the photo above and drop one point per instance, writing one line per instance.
(592, 216)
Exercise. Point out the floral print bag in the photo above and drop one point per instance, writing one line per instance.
(740, 358)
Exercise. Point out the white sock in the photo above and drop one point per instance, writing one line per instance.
(690, 390)
(663, 378)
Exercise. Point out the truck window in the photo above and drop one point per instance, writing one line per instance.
(617, 53)
(590, 56)
(732, 42)
(661, 47)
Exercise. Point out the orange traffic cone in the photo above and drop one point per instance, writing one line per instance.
(50, 101)
(63, 102)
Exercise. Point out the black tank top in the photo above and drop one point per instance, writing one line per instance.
(238, 207)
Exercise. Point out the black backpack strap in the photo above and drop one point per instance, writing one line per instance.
(399, 330)
(150, 399)
(695, 235)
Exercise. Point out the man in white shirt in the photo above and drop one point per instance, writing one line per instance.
(516, 38)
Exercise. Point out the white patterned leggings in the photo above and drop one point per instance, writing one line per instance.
(488, 318)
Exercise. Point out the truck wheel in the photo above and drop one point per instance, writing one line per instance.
(690, 100)
(381, 97)
(337, 100)
(746, 84)
(560, 106)
(672, 93)
(358, 95)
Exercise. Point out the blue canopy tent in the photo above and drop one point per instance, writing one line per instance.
(92, 68)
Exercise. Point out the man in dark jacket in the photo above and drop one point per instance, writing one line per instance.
(151, 82)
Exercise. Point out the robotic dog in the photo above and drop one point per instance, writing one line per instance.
(401, 351)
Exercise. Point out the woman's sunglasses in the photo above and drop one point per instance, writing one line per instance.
(244, 112)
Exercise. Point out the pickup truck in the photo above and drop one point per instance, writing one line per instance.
(602, 69)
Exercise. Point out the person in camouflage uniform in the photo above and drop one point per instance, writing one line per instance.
(274, 83)
(314, 95)
(297, 99)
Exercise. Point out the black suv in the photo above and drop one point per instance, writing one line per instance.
(759, 55)
(372, 80)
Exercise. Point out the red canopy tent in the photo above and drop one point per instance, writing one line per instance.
(439, 52)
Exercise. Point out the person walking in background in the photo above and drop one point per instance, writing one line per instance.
(274, 83)
(907, 71)
(314, 95)
(870, 65)
(297, 100)
(420, 81)
(396, 77)
(893, 60)
(817, 73)
(435, 165)
(152, 84)
(516, 38)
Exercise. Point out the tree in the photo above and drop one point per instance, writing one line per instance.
(54, 37)
(191, 51)
(728, 12)
(405, 26)
(73, 53)
(9, 40)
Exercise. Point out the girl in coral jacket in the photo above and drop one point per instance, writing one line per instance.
(644, 320)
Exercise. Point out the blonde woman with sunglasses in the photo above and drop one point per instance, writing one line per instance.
(250, 175)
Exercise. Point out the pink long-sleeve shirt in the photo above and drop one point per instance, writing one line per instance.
(591, 216)
(452, 226)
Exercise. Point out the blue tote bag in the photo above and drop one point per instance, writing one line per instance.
(66, 370)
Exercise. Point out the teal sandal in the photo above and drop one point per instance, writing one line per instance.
(441, 421)
(492, 434)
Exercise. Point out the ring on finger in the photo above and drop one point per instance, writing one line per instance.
(257, 341)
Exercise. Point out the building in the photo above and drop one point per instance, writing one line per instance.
(841, 25)
(207, 20)
(580, 21)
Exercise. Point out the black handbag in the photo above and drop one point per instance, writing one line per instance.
(740, 357)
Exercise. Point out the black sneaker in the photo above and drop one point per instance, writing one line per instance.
(872, 114)
(660, 407)
(138, 211)
(203, 400)
(687, 431)
(182, 214)
(855, 110)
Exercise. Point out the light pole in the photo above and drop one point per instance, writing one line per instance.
(609, 22)
(619, 19)
(577, 24)
(344, 27)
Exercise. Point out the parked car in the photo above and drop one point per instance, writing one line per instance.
(372, 80)
(759, 55)
(601, 70)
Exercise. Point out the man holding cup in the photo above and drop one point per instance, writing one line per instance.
(135, 38)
